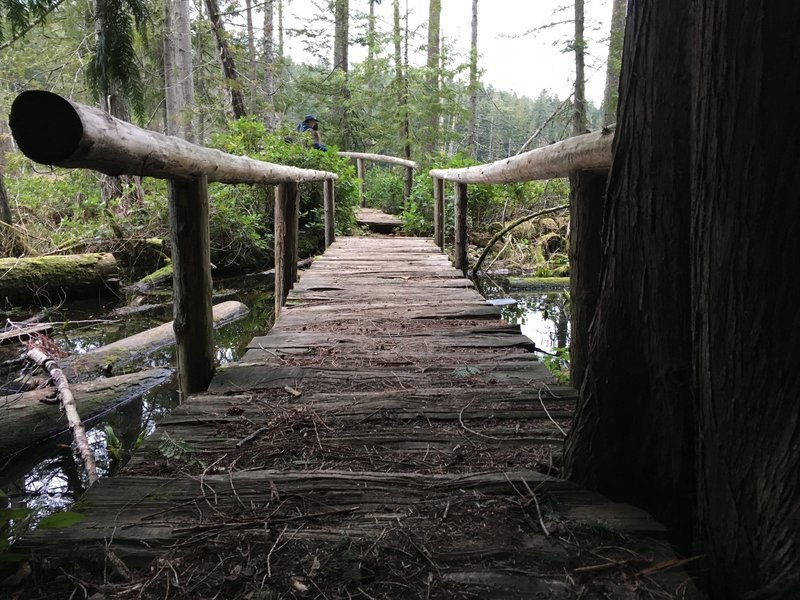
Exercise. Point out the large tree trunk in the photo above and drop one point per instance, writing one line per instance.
(579, 44)
(251, 56)
(179, 81)
(632, 434)
(270, 118)
(472, 131)
(614, 62)
(434, 34)
(341, 44)
(226, 60)
(745, 291)
(401, 83)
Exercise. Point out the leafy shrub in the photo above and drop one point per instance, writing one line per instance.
(384, 189)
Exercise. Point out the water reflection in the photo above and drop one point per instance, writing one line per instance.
(542, 315)
(51, 477)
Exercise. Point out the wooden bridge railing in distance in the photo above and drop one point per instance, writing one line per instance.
(586, 160)
(360, 157)
(52, 130)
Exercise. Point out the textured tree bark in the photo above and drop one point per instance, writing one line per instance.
(472, 128)
(614, 61)
(270, 66)
(251, 56)
(587, 200)
(191, 254)
(341, 43)
(179, 80)
(745, 291)
(226, 60)
(434, 37)
(362, 176)
(579, 43)
(632, 435)
(400, 82)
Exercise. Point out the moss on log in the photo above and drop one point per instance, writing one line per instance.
(25, 420)
(46, 280)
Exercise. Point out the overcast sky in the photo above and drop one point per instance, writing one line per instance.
(515, 55)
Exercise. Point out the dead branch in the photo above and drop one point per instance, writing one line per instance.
(37, 356)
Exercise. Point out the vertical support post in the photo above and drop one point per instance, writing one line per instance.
(329, 193)
(460, 229)
(286, 226)
(191, 276)
(587, 199)
(438, 212)
(362, 175)
(409, 181)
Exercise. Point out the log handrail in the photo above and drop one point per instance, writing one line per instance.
(52, 130)
(55, 131)
(586, 160)
(392, 160)
(589, 152)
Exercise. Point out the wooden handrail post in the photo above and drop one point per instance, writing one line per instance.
(409, 182)
(460, 228)
(362, 175)
(191, 255)
(286, 226)
(329, 194)
(438, 212)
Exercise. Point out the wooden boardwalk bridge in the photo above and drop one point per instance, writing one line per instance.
(390, 437)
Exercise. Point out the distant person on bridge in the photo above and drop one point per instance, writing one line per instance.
(310, 124)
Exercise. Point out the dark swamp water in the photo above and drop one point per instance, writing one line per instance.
(50, 478)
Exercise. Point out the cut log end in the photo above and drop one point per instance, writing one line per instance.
(46, 126)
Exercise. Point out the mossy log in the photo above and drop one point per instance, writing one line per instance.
(110, 357)
(26, 420)
(152, 280)
(46, 280)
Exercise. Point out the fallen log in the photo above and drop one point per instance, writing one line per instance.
(108, 358)
(47, 280)
(152, 280)
(26, 420)
(67, 402)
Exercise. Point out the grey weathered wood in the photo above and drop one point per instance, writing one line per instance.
(362, 177)
(286, 228)
(53, 130)
(191, 282)
(329, 194)
(392, 160)
(417, 418)
(438, 212)
(589, 152)
(460, 228)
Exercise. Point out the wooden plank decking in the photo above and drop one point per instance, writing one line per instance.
(388, 438)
